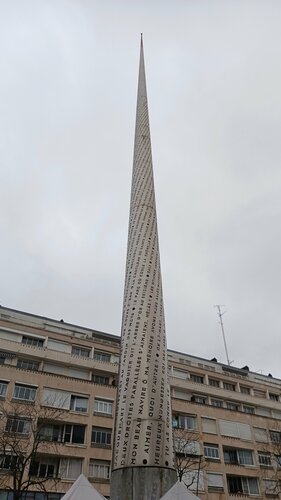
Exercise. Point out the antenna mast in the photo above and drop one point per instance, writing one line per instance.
(220, 315)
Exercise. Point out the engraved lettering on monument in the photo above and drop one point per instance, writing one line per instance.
(143, 437)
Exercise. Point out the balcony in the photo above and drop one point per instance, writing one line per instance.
(45, 354)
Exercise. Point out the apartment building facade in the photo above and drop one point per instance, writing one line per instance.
(226, 420)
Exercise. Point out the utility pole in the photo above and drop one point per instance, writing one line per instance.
(220, 315)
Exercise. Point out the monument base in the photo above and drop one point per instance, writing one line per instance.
(141, 483)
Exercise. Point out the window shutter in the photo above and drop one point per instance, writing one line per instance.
(182, 395)
(260, 435)
(276, 414)
(264, 412)
(74, 468)
(70, 468)
(235, 429)
(75, 372)
(56, 399)
(51, 368)
(244, 431)
(215, 480)
(63, 467)
(179, 374)
(228, 428)
(55, 345)
(14, 337)
(209, 425)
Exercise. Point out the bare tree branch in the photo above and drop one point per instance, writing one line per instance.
(188, 457)
(270, 461)
(21, 443)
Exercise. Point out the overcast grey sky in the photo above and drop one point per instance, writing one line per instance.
(67, 110)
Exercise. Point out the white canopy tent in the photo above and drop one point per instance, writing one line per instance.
(179, 492)
(82, 490)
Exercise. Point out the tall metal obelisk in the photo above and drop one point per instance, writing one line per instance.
(143, 452)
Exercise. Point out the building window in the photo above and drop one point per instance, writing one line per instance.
(211, 451)
(68, 433)
(242, 485)
(102, 356)
(217, 402)
(79, 403)
(214, 382)
(228, 386)
(271, 487)
(197, 378)
(34, 495)
(28, 364)
(215, 481)
(187, 422)
(33, 341)
(244, 389)
(238, 457)
(103, 406)
(264, 459)
(201, 400)
(73, 434)
(232, 406)
(259, 393)
(184, 447)
(3, 389)
(51, 432)
(194, 478)
(70, 468)
(44, 467)
(249, 409)
(24, 392)
(275, 436)
(101, 436)
(273, 397)
(99, 469)
(8, 462)
(65, 400)
(83, 352)
(100, 379)
(18, 425)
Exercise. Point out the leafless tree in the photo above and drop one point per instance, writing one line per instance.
(21, 440)
(270, 460)
(188, 458)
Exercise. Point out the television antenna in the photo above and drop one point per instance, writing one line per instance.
(220, 315)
